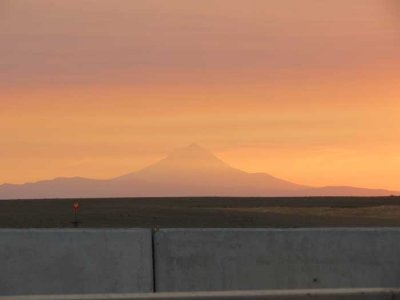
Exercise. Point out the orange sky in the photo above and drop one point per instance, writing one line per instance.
(305, 90)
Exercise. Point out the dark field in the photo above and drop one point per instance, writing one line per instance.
(203, 212)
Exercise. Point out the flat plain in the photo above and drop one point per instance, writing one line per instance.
(203, 212)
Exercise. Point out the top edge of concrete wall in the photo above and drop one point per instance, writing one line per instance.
(369, 293)
(302, 229)
(73, 229)
(115, 229)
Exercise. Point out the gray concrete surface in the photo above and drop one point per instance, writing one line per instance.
(339, 294)
(69, 261)
(256, 259)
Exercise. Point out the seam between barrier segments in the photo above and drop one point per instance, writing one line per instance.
(153, 257)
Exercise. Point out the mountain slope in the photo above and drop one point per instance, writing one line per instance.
(190, 171)
(194, 166)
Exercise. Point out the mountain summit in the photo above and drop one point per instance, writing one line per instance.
(193, 152)
(189, 171)
(186, 164)
(191, 158)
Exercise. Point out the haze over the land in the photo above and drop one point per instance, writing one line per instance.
(190, 171)
(307, 90)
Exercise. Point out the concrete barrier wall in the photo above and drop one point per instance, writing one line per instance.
(75, 261)
(249, 259)
(83, 261)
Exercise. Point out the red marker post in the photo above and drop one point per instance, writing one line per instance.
(75, 207)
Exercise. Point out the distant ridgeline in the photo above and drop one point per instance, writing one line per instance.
(191, 171)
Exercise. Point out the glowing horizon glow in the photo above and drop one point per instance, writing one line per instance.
(306, 92)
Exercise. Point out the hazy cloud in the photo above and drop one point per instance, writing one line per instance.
(47, 42)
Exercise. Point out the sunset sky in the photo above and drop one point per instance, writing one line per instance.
(305, 90)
